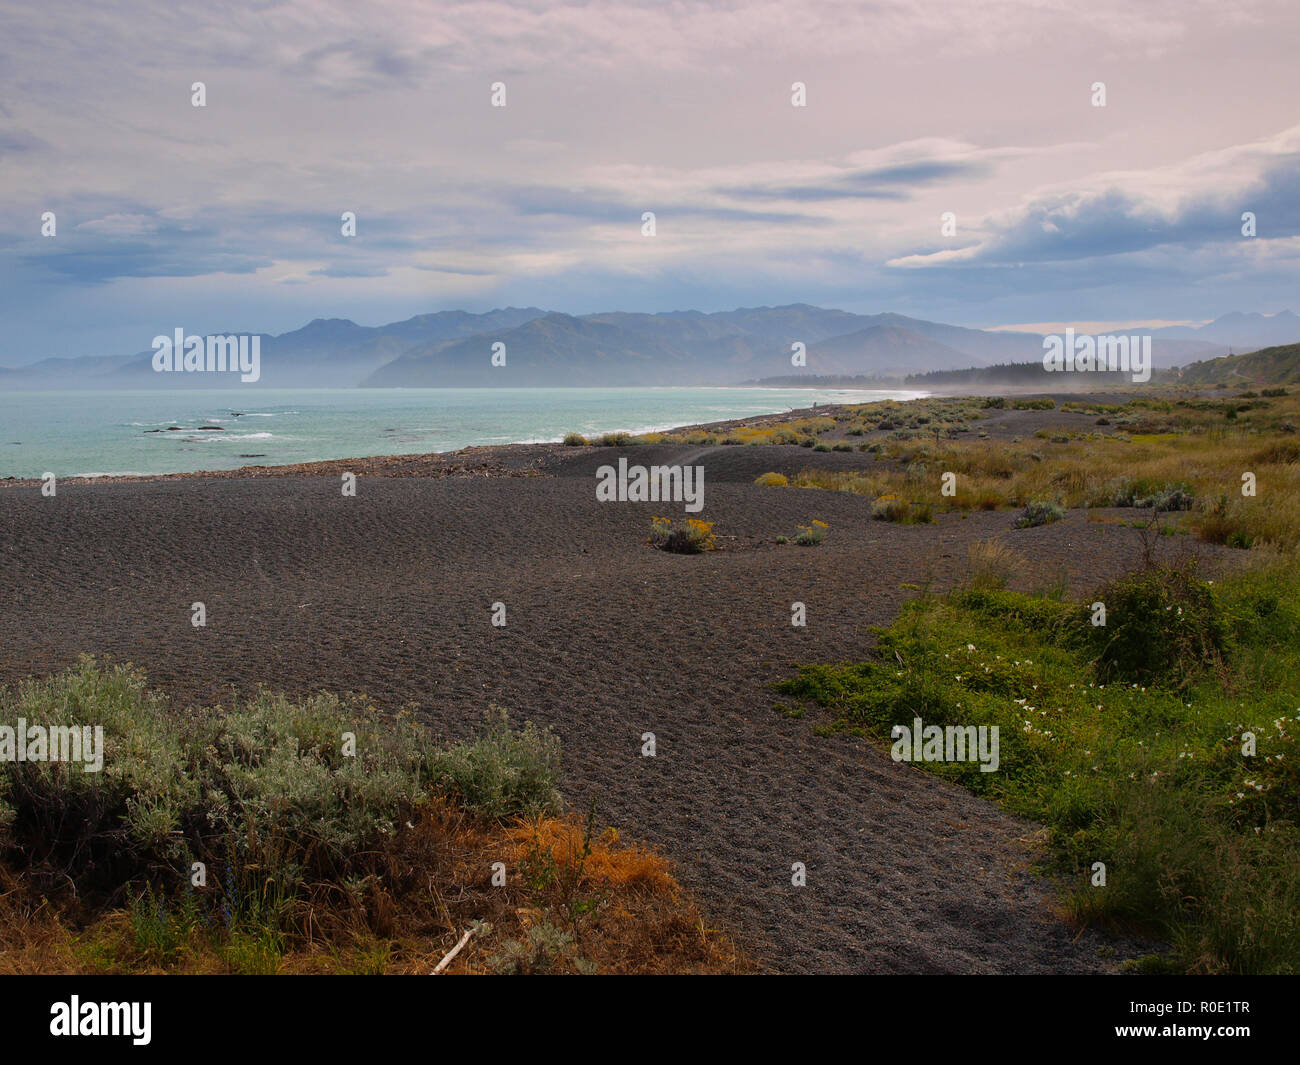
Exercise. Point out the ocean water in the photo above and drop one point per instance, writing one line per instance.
(73, 434)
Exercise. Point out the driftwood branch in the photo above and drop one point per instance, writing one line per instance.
(453, 952)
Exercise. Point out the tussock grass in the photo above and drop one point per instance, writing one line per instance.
(993, 563)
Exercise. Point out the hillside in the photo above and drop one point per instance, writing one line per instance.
(1271, 366)
(693, 348)
(886, 350)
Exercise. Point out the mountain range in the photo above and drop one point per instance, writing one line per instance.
(550, 349)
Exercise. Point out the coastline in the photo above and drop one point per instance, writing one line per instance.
(518, 459)
(390, 593)
(527, 459)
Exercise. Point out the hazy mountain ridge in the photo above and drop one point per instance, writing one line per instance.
(613, 348)
(1240, 329)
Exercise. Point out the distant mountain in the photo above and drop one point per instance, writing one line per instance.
(985, 346)
(610, 350)
(887, 349)
(455, 348)
(693, 348)
(325, 353)
(1238, 330)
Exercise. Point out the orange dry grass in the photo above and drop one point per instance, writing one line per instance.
(621, 905)
(609, 862)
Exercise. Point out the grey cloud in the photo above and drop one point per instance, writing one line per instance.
(1116, 222)
(872, 183)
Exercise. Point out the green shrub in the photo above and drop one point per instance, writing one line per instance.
(1039, 512)
(890, 507)
(504, 773)
(772, 480)
(1199, 836)
(1162, 495)
(1163, 624)
(811, 535)
(267, 790)
(689, 537)
(574, 440)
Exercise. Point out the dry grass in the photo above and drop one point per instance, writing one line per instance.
(1195, 445)
(993, 563)
(618, 909)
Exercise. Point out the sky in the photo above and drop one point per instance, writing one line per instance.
(227, 217)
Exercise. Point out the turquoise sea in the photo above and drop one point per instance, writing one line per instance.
(75, 434)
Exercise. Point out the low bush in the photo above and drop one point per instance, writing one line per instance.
(1146, 494)
(504, 773)
(811, 535)
(1039, 512)
(267, 788)
(1162, 624)
(689, 537)
(892, 508)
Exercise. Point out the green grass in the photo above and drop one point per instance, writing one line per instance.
(1134, 759)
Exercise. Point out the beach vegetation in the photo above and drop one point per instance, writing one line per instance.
(992, 564)
(894, 508)
(1040, 512)
(317, 835)
(1168, 452)
(1164, 745)
(812, 534)
(688, 537)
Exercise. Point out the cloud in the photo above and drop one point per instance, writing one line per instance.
(897, 182)
(350, 270)
(623, 106)
(1198, 202)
